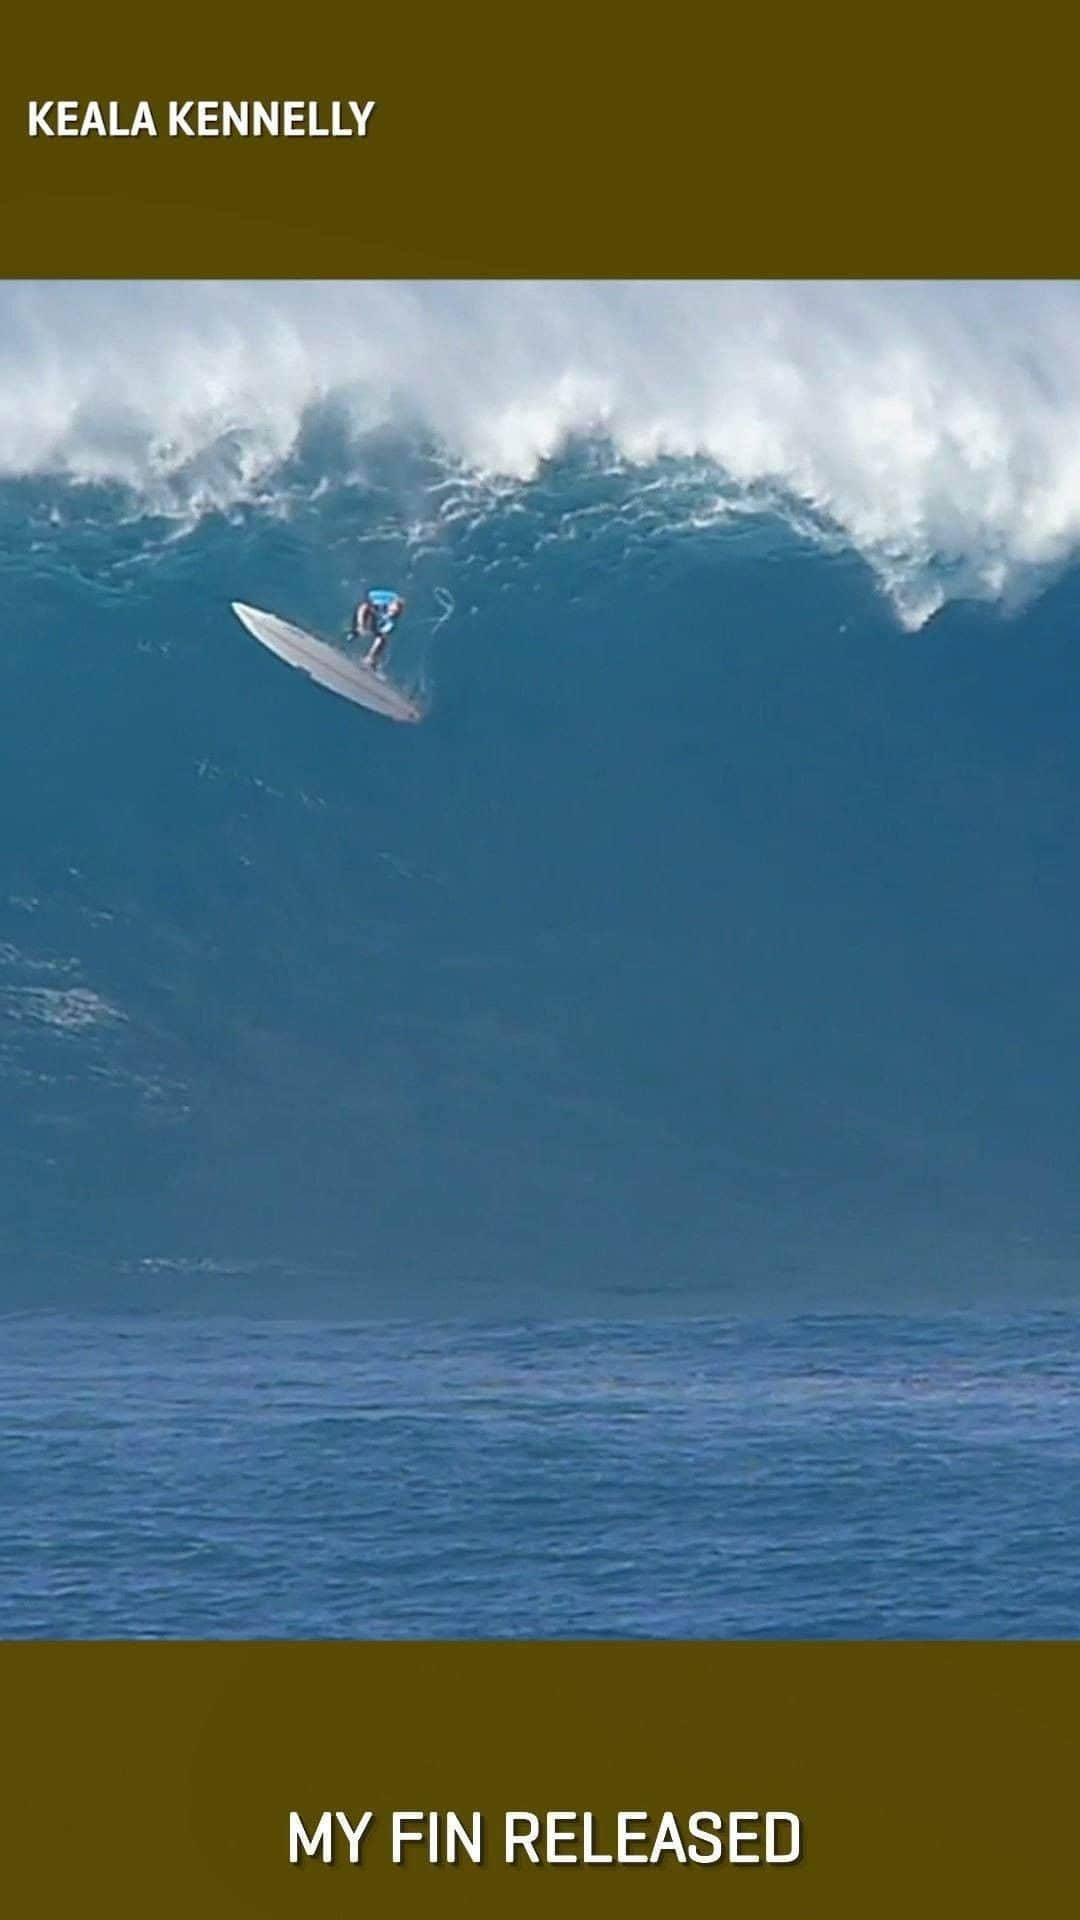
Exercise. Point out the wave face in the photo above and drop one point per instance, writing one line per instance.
(714, 940)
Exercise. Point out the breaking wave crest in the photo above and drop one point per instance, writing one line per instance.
(934, 428)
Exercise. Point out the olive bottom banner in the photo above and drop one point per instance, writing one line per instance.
(757, 1778)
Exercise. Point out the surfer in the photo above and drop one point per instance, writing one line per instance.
(374, 620)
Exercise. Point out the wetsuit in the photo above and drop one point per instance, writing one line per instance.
(380, 600)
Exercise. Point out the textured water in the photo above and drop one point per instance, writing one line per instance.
(738, 973)
(602, 1161)
(790, 1477)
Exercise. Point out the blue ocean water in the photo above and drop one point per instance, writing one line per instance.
(603, 1160)
(712, 939)
(795, 1477)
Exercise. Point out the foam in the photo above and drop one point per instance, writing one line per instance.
(935, 427)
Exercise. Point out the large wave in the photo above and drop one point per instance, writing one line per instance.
(933, 427)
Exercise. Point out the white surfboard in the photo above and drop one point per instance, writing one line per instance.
(327, 666)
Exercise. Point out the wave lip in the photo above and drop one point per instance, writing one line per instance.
(934, 428)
